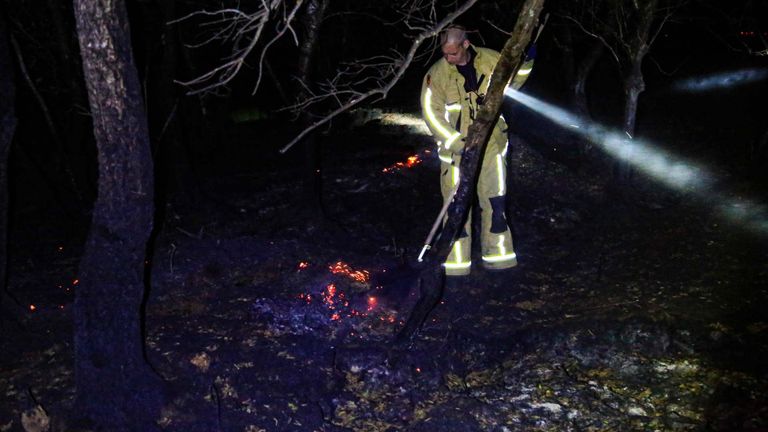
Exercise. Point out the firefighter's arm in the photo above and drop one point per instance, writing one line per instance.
(525, 68)
(434, 111)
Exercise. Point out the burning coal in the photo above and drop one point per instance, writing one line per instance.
(411, 162)
(342, 268)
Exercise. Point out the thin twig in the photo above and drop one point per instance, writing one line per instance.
(279, 35)
(594, 35)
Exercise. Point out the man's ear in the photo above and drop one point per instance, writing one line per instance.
(465, 44)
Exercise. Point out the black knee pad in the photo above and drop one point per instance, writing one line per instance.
(498, 220)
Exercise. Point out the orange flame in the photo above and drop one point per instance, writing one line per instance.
(411, 162)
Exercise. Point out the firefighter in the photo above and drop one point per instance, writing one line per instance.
(451, 95)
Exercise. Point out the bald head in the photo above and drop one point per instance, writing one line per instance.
(454, 35)
(455, 45)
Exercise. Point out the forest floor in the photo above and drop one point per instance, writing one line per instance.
(645, 312)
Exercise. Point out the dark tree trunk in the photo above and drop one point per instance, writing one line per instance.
(563, 40)
(634, 83)
(164, 97)
(577, 73)
(7, 129)
(62, 168)
(116, 388)
(194, 130)
(313, 171)
(74, 126)
(633, 86)
(583, 71)
(479, 132)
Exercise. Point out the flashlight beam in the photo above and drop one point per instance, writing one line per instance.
(655, 162)
(721, 80)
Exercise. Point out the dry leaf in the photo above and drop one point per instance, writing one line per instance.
(35, 420)
(202, 361)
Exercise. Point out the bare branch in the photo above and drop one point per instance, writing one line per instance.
(238, 27)
(497, 28)
(594, 35)
(287, 26)
(398, 69)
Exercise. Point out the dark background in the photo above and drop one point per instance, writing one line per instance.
(212, 169)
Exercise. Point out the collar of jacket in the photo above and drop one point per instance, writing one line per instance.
(479, 61)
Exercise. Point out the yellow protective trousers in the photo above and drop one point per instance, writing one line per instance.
(495, 236)
(448, 110)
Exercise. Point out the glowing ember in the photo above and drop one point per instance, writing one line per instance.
(338, 303)
(329, 294)
(332, 297)
(362, 276)
(60, 248)
(411, 162)
(372, 303)
(76, 281)
(32, 307)
(388, 318)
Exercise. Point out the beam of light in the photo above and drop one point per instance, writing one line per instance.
(413, 122)
(670, 170)
(721, 80)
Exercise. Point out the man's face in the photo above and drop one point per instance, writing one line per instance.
(456, 53)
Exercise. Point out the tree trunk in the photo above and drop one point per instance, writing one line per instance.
(75, 128)
(576, 75)
(479, 132)
(7, 129)
(583, 71)
(566, 47)
(313, 169)
(116, 388)
(164, 96)
(634, 84)
(61, 162)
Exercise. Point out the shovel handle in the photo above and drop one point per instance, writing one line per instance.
(438, 221)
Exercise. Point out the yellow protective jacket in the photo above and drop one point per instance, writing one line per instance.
(449, 110)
